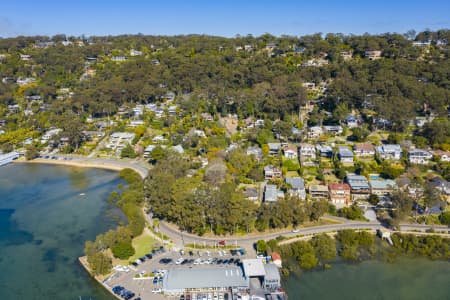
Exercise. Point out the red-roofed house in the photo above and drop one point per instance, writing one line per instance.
(364, 150)
(339, 194)
(276, 259)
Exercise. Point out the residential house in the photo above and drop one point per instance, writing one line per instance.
(333, 129)
(315, 132)
(310, 86)
(382, 187)
(49, 134)
(276, 259)
(442, 185)
(14, 108)
(443, 155)
(134, 52)
(274, 148)
(307, 152)
(351, 121)
(25, 81)
(364, 150)
(172, 110)
(25, 57)
(389, 151)
(346, 55)
(251, 193)
(148, 150)
(271, 46)
(272, 193)
(359, 187)
(419, 156)
(339, 194)
(136, 123)
(159, 139)
(325, 151)
(118, 140)
(271, 172)
(259, 123)
(318, 191)
(297, 187)
(421, 44)
(207, 117)
(372, 54)
(119, 58)
(345, 155)
(290, 153)
(255, 151)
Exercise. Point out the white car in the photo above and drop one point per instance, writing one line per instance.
(179, 261)
(157, 291)
(296, 230)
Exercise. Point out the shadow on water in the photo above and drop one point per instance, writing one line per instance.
(10, 234)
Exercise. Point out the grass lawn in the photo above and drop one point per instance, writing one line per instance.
(143, 244)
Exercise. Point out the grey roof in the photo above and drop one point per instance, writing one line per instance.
(271, 193)
(345, 152)
(253, 267)
(357, 182)
(182, 278)
(297, 183)
(389, 148)
(383, 184)
(272, 272)
(274, 146)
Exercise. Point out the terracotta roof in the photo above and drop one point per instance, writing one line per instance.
(339, 186)
(276, 256)
(365, 147)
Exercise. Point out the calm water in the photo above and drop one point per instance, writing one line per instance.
(44, 222)
(407, 279)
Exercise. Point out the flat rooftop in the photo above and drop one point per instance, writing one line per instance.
(202, 278)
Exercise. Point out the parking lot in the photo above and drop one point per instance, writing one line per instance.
(145, 277)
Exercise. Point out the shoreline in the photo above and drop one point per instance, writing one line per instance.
(89, 163)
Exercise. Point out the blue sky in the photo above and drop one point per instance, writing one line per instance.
(225, 18)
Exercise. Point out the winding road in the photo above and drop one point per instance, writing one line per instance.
(182, 238)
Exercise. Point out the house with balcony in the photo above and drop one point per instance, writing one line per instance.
(290, 153)
(274, 148)
(318, 191)
(372, 54)
(307, 152)
(272, 193)
(271, 172)
(389, 151)
(364, 150)
(382, 187)
(359, 187)
(351, 121)
(345, 155)
(314, 132)
(340, 194)
(325, 151)
(419, 156)
(333, 129)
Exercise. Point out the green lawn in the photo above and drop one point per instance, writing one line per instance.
(143, 244)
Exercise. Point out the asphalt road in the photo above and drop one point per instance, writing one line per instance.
(181, 238)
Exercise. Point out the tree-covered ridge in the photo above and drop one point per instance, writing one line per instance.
(224, 79)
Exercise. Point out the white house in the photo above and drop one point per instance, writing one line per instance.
(290, 153)
(364, 150)
(315, 132)
(419, 156)
(307, 151)
(118, 140)
(345, 155)
(389, 151)
(297, 187)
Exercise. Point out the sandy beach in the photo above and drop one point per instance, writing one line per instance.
(90, 163)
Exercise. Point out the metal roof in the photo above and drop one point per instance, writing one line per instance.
(253, 267)
(217, 277)
(272, 272)
(296, 182)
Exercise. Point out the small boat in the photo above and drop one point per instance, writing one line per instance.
(82, 194)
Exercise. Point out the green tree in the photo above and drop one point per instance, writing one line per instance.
(99, 263)
(128, 151)
(324, 246)
(31, 152)
(123, 250)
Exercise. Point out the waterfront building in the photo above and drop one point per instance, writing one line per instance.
(8, 157)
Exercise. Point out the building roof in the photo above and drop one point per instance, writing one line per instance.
(364, 147)
(296, 182)
(253, 267)
(270, 193)
(274, 146)
(383, 184)
(389, 148)
(345, 152)
(272, 272)
(182, 278)
(318, 188)
(339, 186)
(357, 181)
(275, 256)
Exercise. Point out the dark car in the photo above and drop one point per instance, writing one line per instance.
(149, 256)
(117, 289)
(231, 261)
(219, 261)
(134, 264)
